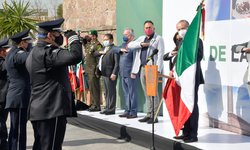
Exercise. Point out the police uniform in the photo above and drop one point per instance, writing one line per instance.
(90, 68)
(3, 92)
(18, 92)
(51, 98)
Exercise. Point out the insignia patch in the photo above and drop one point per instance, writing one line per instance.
(20, 52)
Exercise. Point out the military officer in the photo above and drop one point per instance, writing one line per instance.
(4, 47)
(19, 89)
(90, 68)
(51, 99)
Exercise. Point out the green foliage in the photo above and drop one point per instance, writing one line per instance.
(60, 11)
(15, 17)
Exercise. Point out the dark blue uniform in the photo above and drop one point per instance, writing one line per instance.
(3, 92)
(51, 98)
(18, 93)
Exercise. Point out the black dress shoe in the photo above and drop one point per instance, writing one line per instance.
(131, 116)
(145, 119)
(81, 105)
(150, 121)
(190, 140)
(93, 109)
(103, 112)
(109, 113)
(124, 115)
(180, 137)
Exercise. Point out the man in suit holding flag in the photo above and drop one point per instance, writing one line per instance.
(181, 94)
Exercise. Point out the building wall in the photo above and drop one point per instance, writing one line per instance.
(85, 15)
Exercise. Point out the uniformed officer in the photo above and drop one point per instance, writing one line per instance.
(4, 47)
(90, 68)
(19, 90)
(51, 98)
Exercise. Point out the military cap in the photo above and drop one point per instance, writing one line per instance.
(4, 43)
(24, 35)
(48, 26)
(93, 32)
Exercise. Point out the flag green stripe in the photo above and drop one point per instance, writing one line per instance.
(188, 51)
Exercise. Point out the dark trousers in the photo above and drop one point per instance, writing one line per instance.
(191, 125)
(49, 134)
(129, 92)
(3, 127)
(94, 89)
(110, 94)
(18, 123)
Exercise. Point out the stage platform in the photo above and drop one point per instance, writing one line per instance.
(140, 133)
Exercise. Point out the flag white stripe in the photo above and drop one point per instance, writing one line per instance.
(187, 82)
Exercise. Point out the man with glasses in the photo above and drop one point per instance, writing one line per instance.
(128, 80)
(109, 67)
(145, 45)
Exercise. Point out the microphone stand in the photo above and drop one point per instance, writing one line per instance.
(153, 127)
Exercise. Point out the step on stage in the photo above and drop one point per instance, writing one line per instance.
(140, 133)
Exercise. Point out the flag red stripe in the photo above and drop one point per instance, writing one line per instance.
(80, 79)
(178, 112)
(72, 78)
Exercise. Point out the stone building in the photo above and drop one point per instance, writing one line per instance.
(85, 15)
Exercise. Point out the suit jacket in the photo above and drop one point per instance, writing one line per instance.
(199, 79)
(155, 43)
(126, 61)
(171, 59)
(51, 94)
(19, 84)
(110, 62)
(3, 81)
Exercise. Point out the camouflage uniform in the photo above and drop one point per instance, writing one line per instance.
(90, 67)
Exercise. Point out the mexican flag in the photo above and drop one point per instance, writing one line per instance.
(79, 74)
(179, 92)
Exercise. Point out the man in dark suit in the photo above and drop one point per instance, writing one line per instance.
(190, 130)
(51, 99)
(19, 90)
(127, 78)
(109, 67)
(4, 47)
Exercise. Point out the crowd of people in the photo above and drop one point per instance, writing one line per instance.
(35, 82)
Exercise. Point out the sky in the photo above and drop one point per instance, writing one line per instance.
(51, 5)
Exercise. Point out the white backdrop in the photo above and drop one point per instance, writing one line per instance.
(224, 73)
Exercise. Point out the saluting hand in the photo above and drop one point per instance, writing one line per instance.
(102, 52)
(247, 50)
(173, 53)
(133, 76)
(143, 44)
(113, 77)
(124, 50)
